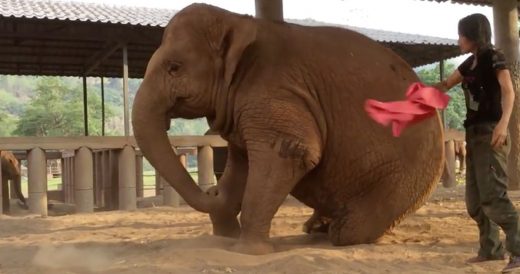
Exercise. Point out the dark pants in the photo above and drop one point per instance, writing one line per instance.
(486, 192)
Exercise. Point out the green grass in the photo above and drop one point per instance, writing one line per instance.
(149, 177)
(52, 184)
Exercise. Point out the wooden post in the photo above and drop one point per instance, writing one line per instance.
(112, 188)
(98, 179)
(269, 9)
(183, 158)
(170, 196)
(102, 106)
(125, 91)
(158, 184)
(448, 176)
(441, 76)
(139, 176)
(127, 192)
(95, 178)
(85, 105)
(505, 16)
(37, 177)
(106, 178)
(64, 179)
(83, 181)
(71, 179)
(1, 193)
(205, 167)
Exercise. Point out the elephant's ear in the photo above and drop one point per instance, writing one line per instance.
(238, 35)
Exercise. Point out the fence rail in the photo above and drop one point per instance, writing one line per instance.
(99, 142)
(104, 172)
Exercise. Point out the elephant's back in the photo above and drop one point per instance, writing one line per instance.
(359, 153)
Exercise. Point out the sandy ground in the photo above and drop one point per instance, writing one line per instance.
(436, 239)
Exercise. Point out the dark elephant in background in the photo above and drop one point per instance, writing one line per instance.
(460, 154)
(11, 171)
(455, 149)
(289, 100)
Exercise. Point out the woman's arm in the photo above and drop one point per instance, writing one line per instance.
(508, 94)
(454, 79)
(508, 98)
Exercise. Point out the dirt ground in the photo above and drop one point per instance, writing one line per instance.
(438, 238)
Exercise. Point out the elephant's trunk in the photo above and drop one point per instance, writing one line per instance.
(149, 117)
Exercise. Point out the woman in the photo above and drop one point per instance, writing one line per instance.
(489, 101)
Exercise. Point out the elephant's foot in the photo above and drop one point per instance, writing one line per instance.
(224, 219)
(225, 227)
(255, 247)
(23, 205)
(360, 227)
(317, 224)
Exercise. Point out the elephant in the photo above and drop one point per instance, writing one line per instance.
(460, 153)
(289, 100)
(11, 171)
(455, 149)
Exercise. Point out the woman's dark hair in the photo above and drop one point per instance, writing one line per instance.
(477, 29)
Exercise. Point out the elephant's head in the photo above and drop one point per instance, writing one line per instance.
(189, 76)
(10, 165)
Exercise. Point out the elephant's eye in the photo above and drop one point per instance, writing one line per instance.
(173, 67)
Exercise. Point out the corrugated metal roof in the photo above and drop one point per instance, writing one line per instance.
(383, 35)
(78, 11)
(470, 2)
(42, 37)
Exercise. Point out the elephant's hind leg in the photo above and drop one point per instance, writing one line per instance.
(358, 226)
(371, 215)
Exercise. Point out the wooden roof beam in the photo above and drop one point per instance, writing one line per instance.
(99, 57)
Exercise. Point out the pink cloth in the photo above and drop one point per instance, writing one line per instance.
(421, 103)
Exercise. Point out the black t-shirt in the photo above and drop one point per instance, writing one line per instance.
(481, 87)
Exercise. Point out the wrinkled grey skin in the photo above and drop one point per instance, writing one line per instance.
(289, 100)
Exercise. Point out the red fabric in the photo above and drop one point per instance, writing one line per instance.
(421, 102)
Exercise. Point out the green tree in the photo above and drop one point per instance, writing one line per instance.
(10, 107)
(456, 111)
(56, 109)
(188, 126)
(7, 124)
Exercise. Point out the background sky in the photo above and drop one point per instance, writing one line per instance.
(409, 16)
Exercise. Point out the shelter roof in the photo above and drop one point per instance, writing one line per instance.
(42, 37)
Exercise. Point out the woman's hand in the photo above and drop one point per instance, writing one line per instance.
(499, 135)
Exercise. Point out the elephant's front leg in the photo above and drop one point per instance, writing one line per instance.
(17, 186)
(274, 170)
(230, 188)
